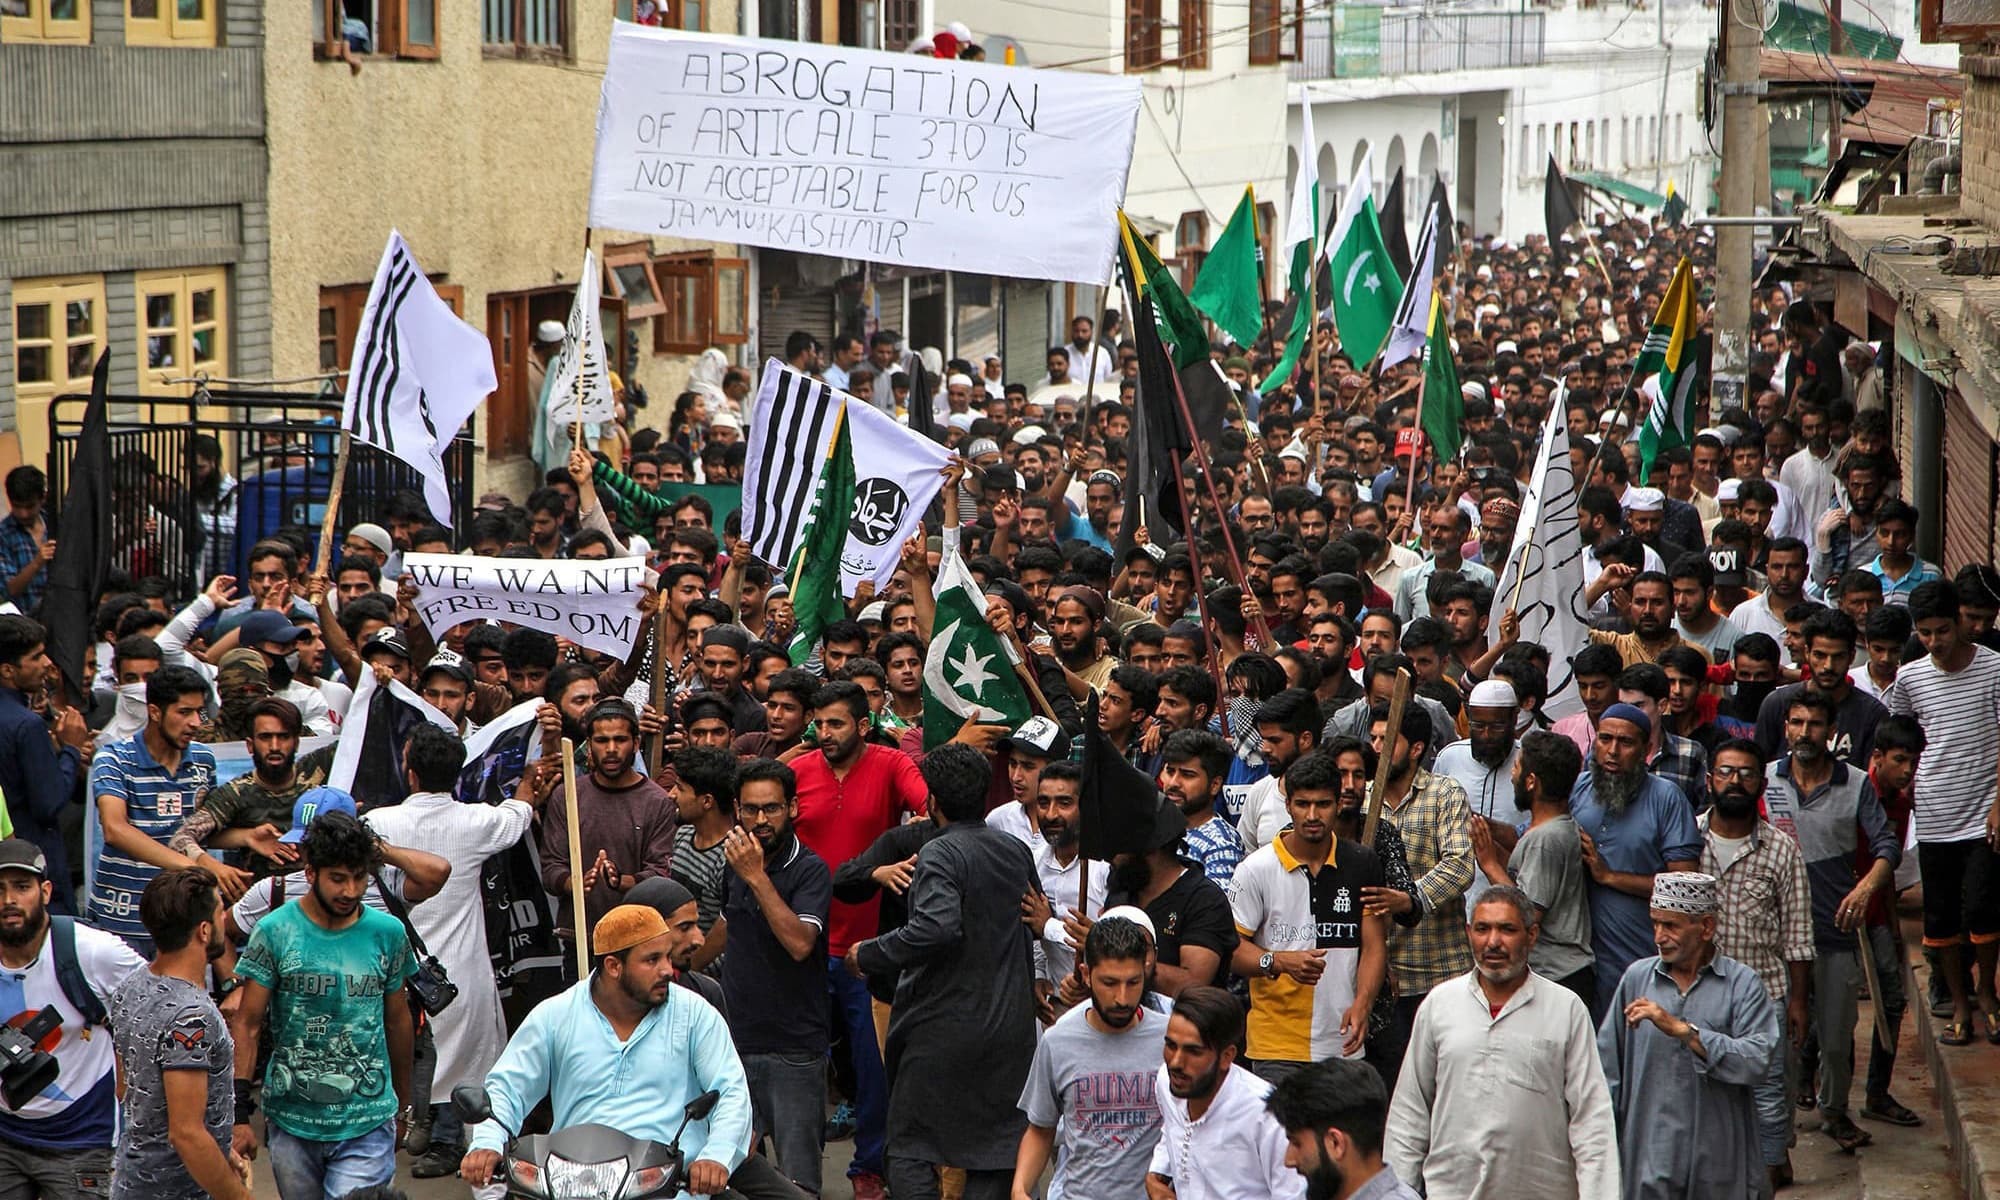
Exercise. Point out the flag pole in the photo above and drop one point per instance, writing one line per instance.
(1417, 450)
(1215, 498)
(331, 518)
(1399, 698)
(575, 861)
(1200, 577)
(660, 681)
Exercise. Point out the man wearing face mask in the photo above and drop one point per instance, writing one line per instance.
(1333, 1114)
(1765, 923)
(273, 635)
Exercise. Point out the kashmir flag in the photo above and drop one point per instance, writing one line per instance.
(1409, 329)
(368, 758)
(1542, 579)
(1675, 208)
(1301, 226)
(1442, 407)
(1670, 420)
(814, 574)
(1230, 286)
(1365, 283)
(1179, 323)
(968, 669)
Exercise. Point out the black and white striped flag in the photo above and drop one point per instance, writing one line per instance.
(1412, 325)
(417, 372)
(897, 473)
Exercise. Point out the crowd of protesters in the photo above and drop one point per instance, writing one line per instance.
(1609, 949)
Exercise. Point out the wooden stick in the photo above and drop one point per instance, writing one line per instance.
(1874, 977)
(1417, 451)
(1599, 256)
(660, 682)
(1215, 498)
(330, 520)
(1398, 699)
(1194, 563)
(579, 924)
(1026, 671)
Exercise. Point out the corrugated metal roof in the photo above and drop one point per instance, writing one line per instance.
(1806, 30)
(1895, 110)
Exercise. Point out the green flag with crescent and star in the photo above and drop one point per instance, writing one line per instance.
(968, 669)
(1365, 284)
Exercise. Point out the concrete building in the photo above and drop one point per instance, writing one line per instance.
(211, 196)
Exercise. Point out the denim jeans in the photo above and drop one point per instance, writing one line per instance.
(853, 1009)
(447, 1128)
(788, 1102)
(308, 1170)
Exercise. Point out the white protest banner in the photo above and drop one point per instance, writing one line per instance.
(592, 602)
(848, 153)
(581, 378)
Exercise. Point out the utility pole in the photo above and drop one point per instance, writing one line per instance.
(1742, 39)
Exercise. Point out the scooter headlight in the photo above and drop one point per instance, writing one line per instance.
(586, 1181)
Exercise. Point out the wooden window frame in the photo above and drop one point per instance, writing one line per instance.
(34, 28)
(58, 293)
(170, 28)
(559, 51)
(628, 255)
(740, 268)
(184, 284)
(624, 10)
(389, 30)
(902, 21)
(1271, 42)
(668, 336)
(1143, 50)
(1191, 52)
(1932, 27)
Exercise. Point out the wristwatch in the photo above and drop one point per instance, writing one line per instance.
(1267, 963)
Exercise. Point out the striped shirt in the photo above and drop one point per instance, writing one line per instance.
(702, 871)
(1766, 918)
(155, 804)
(1960, 713)
(1280, 904)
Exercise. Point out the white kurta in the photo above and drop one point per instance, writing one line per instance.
(471, 1033)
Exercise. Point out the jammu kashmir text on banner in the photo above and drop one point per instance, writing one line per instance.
(594, 603)
(849, 153)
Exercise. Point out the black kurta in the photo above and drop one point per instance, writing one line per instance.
(962, 1031)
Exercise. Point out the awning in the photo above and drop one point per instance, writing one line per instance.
(1619, 188)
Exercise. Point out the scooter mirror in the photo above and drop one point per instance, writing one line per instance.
(699, 1107)
(471, 1103)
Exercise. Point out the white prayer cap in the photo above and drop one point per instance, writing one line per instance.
(958, 30)
(1131, 912)
(1484, 272)
(873, 611)
(1294, 450)
(1689, 892)
(923, 45)
(1028, 435)
(1506, 347)
(724, 421)
(957, 380)
(1645, 499)
(550, 331)
(375, 536)
(1726, 491)
(1492, 693)
(981, 446)
(960, 421)
(1472, 387)
(1571, 272)
(1534, 272)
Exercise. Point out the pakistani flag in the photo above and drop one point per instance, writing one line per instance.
(1440, 405)
(1670, 421)
(1301, 228)
(814, 576)
(968, 670)
(1365, 284)
(1230, 287)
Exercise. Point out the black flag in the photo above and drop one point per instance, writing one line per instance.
(83, 552)
(1118, 805)
(923, 411)
(1558, 206)
(1157, 437)
(1210, 399)
(1447, 225)
(1395, 238)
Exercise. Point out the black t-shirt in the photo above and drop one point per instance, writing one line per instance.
(777, 1004)
(1191, 912)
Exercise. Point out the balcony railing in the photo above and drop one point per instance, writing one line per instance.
(1360, 41)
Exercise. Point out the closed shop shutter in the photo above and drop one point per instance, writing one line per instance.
(1968, 487)
(795, 307)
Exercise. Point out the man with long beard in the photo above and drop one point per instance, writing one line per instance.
(1073, 624)
(1216, 1137)
(1333, 1113)
(1502, 1093)
(1634, 825)
(1091, 1086)
(1483, 764)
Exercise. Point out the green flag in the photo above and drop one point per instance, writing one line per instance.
(1365, 285)
(1179, 323)
(1230, 287)
(815, 572)
(1443, 414)
(1670, 420)
(968, 669)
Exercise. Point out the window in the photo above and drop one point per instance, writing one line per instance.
(1267, 238)
(60, 22)
(170, 22)
(900, 22)
(340, 309)
(58, 334)
(1273, 36)
(1190, 245)
(1589, 142)
(524, 28)
(1194, 34)
(389, 28)
(1527, 162)
(183, 326)
(707, 303)
(1541, 146)
(628, 271)
(668, 14)
(1953, 20)
(1142, 35)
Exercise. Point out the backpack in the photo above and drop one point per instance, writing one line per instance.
(69, 972)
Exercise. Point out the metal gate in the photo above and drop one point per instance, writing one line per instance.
(1968, 487)
(282, 447)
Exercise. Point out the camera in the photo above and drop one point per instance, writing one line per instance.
(25, 1068)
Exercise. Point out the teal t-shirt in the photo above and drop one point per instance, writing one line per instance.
(329, 1075)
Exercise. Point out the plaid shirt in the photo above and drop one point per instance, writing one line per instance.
(1434, 822)
(18, 548)
(1683, 763)
(1766, 918)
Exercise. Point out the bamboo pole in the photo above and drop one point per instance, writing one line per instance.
(579, 924)
(330, 520)
(1399, 698)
